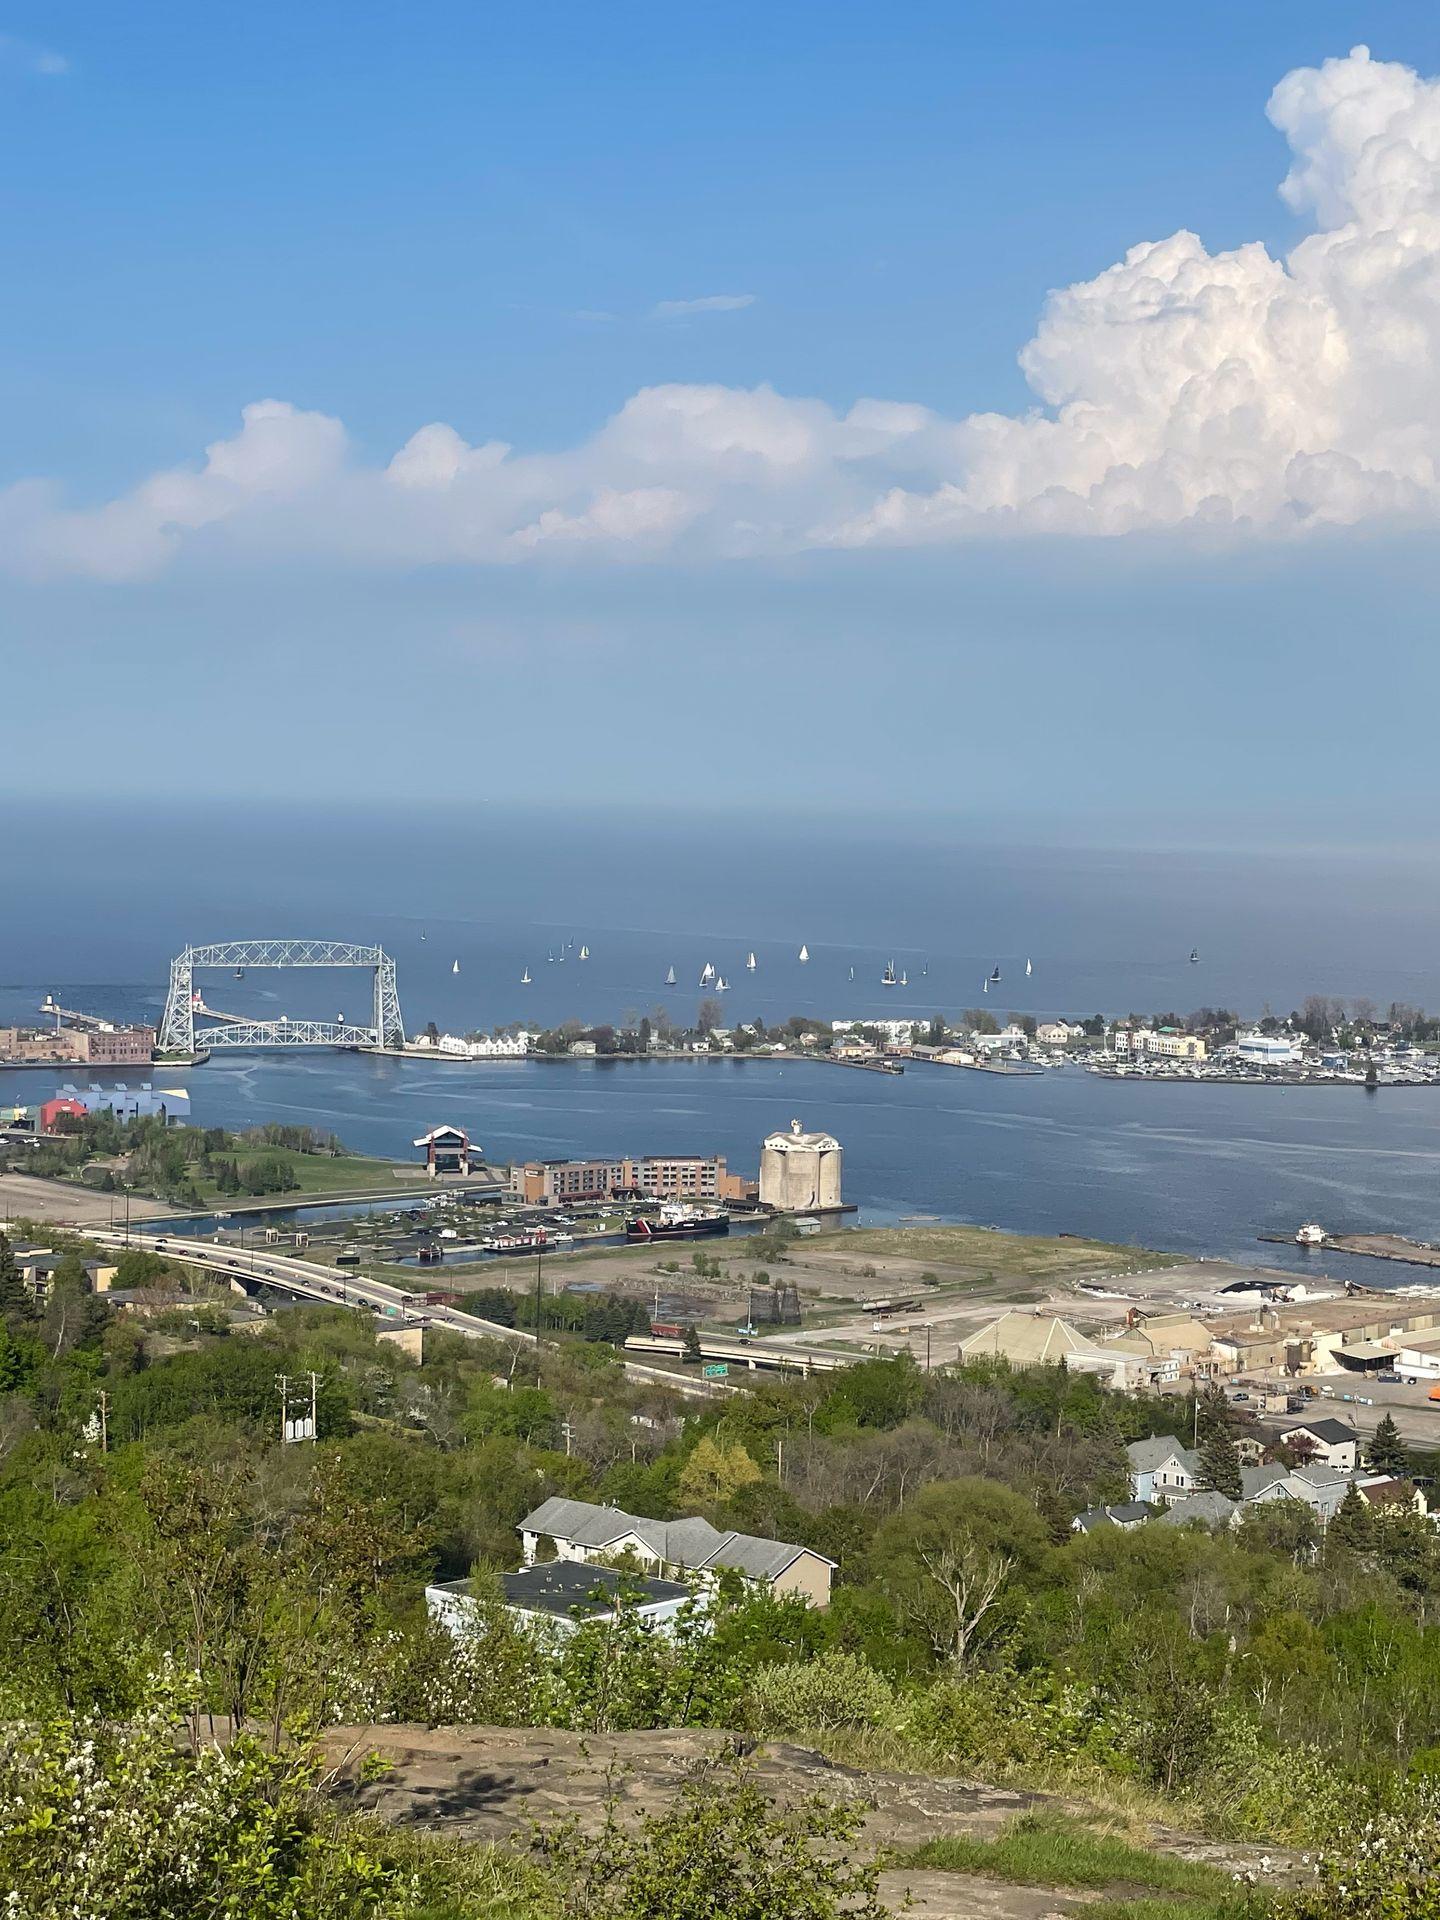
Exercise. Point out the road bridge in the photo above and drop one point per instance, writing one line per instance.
(331, 1286)
(180, 1032)
(751, 1354)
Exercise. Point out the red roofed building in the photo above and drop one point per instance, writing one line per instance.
(51, 1110)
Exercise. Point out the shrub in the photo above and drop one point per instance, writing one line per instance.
(833, 1690)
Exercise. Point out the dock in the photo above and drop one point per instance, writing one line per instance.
(1374, 1246)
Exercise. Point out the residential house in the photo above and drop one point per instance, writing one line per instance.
(585, 1532)
(1208, 1509)
(1128, 1515)
(1161, 1469)
(1333, 1444)
(563, 1595)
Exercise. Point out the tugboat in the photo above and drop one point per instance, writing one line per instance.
(678, 1223)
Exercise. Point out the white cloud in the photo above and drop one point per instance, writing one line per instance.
(1177, 390)
(708, 303)
(30, 58)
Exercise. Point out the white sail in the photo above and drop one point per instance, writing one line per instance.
(852, 973)
(986, 985)
(707, 974)
(887, 978)
(722, 985)
(804, 955)
(750, 964)
(1028, 969)
(670, 978)
(904, 978)
(455, 968)
(525, 978)
(584, 953)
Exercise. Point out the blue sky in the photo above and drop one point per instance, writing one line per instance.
(487, 217)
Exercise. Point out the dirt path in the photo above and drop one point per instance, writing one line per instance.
(25, 1197)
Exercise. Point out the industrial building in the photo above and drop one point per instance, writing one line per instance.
(800, 1172)
(126, 1103)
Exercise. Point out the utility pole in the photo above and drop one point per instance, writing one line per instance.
(284, 1408)
(539, 1302)
(569, 1432)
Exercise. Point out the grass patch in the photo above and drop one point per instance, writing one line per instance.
(1051, 1850)
(979, 1250)
(315, 1172)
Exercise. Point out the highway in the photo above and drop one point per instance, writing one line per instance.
(309, 1281)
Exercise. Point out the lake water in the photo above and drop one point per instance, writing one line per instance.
(1200, 1168)
(98, 903)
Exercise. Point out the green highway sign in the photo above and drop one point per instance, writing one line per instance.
(716, 1370)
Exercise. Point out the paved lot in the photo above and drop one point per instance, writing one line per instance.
(24, 1197)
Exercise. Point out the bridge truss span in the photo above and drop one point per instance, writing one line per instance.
(181, 1033)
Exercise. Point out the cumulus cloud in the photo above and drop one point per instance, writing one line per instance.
(1179, 389)
(708, 303)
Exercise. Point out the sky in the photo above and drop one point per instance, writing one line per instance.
(1025, 415)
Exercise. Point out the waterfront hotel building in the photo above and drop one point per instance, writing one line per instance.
(653, 1176)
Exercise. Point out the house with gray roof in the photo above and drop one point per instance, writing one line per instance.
(581, 1530)
(1210, 1509)
(1127, 1515)
(1161, 1469)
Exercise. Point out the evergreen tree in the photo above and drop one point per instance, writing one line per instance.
(1354, 1523)
(692, 1343)
(1220, 1464)
(1387, 1450)
(15, 1301)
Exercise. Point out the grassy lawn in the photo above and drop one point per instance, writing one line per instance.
(315, 1173)
(1049, 1850)
(978, 1250)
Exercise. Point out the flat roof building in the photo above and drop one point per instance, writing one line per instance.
(650, 1176)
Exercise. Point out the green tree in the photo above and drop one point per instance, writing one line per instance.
(15, 1301)
(1387, 1450)
(1354, 1523)
(1220, 1464)
(692, 1343)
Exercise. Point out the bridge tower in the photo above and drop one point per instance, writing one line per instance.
(179, 1032)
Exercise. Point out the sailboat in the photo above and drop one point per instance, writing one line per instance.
(995, 977)
(804, 955)
(670, 978)
(455, 966)
(852, 973)
(985, 986)
(707, 974)
(1028, 969)
(924, 968)
(584, 953)
(750, 964)
(525, 978)
(722, 985)
(422, 935)
(887, 979)
(904, 978)
(1194, 956)
(551, 958)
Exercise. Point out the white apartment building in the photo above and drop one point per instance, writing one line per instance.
(1164, 1043)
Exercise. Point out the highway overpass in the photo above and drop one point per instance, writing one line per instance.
(244, 1267)
(752, 1354)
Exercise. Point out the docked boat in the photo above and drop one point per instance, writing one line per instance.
(678, 1223)
(1310, 1235)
